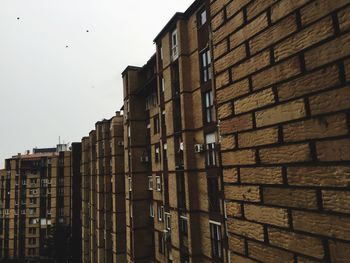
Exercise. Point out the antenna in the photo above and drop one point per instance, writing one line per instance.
(59, 139)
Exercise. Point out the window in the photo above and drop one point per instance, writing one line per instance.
(60, 212)
(209, 107)
(183, 226)
(162, 84)
(213, 193)
(32, 211)
(32, 230)
(151, 101)
(130, 184)
(206, 66)
(165, 153)
(161, 243)
(160, 210)
(216, 240)
(151, 209)
(211, 152)
(158, 183)
(150, 182)
(201, 17)
(156, 127)
(174, 45)
(157, 153)
(167, 218)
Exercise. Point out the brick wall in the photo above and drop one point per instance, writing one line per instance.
(283, 98)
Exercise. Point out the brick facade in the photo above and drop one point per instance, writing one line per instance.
(282, 78)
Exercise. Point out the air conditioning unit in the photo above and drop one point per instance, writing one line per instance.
(120, 143)
(144, 159)
(198, 148)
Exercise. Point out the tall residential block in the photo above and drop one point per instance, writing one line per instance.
(102, 168)
(172, 162)
(282, 77)
(35, 211)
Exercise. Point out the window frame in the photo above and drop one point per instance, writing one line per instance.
(206, 65)
(216, 240)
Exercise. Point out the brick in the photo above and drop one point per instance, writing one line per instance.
(339, 251)
(218, 20)
(236, 243)
(234, 23)
(233, 209)
(231, 58)
(254, 101)
(286, 154)
(322, 224)
(335, 150)
(251, 65)
(318, 9)
(328, 176)
(233, 91)
(227, 142)
(240, 259)
(220, 49)
(336, 201)
(282, 113)
(285, 7)
(268, 254)
(217, 6)
(331, 101)
(304, 39)
(225, 110)
(267, 215)
(317, 128)
(328, 52)
(234, 6)
(312, 82)
(240, 123)
(302, 244)
(273, 34)
(242, 193)
(298, 198)
(344, 19)
(245, 228)
(258, 138)
(261, 175)
(248, 31)
(256, 7)
(243, 157)
(222, 79)
(306, 260)
(277, 73)
(230, 175)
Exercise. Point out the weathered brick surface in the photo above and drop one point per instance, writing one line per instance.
(296, 242)
(267, 215)
(290, 197)
(261, 175)
(322, 79)
(259, 137)
(335, 150)
(287, 135)
(322, 127)
(305, 38)
(245, 228)
(337, 201)
(254, 101)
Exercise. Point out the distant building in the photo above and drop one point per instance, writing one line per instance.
(103, 198)
(36, 205)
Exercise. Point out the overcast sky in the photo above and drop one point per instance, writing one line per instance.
(49, 90)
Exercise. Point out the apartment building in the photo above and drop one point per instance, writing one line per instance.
(35, 204)
(283, 98)
(102, 168)
(171, 137)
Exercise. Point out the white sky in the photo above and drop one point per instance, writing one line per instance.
(48, 90)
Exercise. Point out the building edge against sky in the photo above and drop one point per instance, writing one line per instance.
(234, 143)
